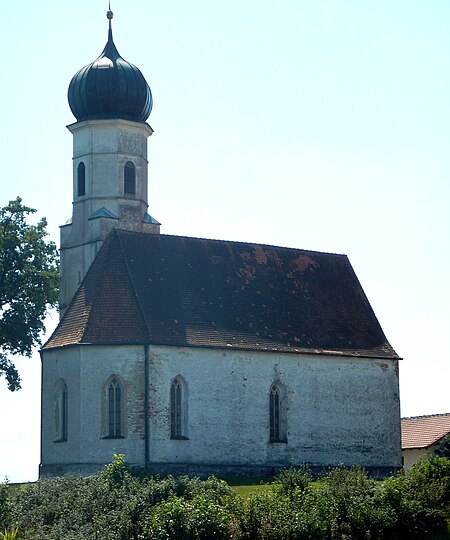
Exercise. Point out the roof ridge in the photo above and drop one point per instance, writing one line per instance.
(425, 416)
(221, 240)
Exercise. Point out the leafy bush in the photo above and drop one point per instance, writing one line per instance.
(4, 506)
(201, 518)
(429, 482)
(270, 515)
(114, 504)
(344, 500)
(293, 480)
(117, 504)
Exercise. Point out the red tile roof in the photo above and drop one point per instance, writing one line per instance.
(423, 431)
(172, 290)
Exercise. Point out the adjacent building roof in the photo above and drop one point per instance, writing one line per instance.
(180, 291)
(424, 431)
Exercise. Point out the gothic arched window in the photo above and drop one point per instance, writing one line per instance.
(81, 180)
(277, 413)
(61, 404)
(129, 179)
(114, 408)
(178, 409)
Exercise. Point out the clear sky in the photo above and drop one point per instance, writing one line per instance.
(319, 125)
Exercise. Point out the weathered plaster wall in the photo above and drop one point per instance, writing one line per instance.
(85, 370)
(339, 410)
(54, 367)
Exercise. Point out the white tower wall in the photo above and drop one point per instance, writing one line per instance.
(104, 147)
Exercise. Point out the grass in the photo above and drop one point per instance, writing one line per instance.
(246, 486)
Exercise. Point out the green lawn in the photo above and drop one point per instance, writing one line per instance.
(245, 486)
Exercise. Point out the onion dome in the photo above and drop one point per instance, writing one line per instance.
(110, 87)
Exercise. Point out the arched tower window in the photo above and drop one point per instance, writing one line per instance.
(81, 180)
(61, 410)
(178, 408)
(129, 179)
(277, 413)
(114, 410)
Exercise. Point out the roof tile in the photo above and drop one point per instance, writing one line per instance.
(174, 290)
(423, 431)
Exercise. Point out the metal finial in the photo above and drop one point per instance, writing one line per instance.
(109, 13)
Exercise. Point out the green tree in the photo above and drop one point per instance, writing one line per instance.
(443, 448)
(29, 279)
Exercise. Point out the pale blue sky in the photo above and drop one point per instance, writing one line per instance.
(318, 125)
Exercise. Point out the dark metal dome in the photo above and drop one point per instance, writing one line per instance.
(110, 87)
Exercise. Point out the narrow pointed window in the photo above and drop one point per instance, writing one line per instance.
(129, 179)
(64, 413)
(114, 409)
(178, 409)
(81, 180)
(277, 414)
(61, 411)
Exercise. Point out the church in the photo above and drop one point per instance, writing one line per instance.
(192, 355)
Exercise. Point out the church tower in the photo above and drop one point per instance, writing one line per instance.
(111, 101)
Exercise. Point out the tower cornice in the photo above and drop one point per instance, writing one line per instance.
(111, 122)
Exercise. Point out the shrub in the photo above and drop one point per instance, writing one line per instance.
(293, 480)
(345, 501)
(270, 515)
(114, 504)
(200, 518)
(4, 506)
(429, 482)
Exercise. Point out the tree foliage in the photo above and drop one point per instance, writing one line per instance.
(443, 448)
(29, 279)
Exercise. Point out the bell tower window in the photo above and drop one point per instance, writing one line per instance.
(129, 179)
(81, 180)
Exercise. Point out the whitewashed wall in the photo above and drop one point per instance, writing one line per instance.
(412, 455)
(339, 410)
(104, 146)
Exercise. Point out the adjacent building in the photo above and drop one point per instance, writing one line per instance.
(421, 435)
